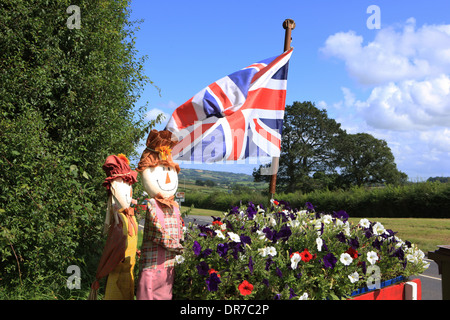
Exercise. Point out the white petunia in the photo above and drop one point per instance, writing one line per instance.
(372, 257)
(327, 219)
(347, 229)
(353, 277)
(234, 237)
(219, 234)
(261, 235)
(304, 296)
(378, 229)
(318, 225)
(339, 223)
(262, 251)
(346, 259)
(179, 259)
(319, 243)
(272, 251)
(260, 210)
(365, 223)
(295, 259)
(294, 223)
(272, 221)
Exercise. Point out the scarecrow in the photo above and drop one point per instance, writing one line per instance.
(163, 227)
(119, 254)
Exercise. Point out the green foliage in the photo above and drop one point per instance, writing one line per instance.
(67, 102)
(415, 200)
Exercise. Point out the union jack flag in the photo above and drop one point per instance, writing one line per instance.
(237, 117)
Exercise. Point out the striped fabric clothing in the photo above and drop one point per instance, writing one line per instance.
(162, 234)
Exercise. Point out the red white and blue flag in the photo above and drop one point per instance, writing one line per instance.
(237, 117)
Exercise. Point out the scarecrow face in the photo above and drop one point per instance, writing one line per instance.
(160, 179)
(122, 193)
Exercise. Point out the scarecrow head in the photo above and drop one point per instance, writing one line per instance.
(119, 178)
(118, 182)
(159, 172)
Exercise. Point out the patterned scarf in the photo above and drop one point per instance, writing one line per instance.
(165, 202)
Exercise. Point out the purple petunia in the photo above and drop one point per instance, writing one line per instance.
(354, 243)
(341, 214)
(329, 260)
(310, 207)
(279, 273)
(245, 239)
(202, 268)
(222, 249)
(212, 282)
(205, 253)
(269, 261)
(250, 265)
(197, 248)
(251, 211)
(291, 293)
(399, 253)
(341, 237)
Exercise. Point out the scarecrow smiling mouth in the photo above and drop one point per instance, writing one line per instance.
(159, 185)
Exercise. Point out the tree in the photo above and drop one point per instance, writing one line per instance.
(307, 146)
(363, 159)
(316, 153)
(67, 101)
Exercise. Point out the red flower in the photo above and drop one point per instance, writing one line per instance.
(275, 202)
(306, 256)
(245, 288)
(217, 222)
(352, 252)
(213, 271)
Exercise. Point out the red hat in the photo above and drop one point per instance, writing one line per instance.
(118, 167)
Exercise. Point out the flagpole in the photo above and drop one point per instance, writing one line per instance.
(288, 25)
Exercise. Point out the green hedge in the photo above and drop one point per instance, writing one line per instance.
(416, 200)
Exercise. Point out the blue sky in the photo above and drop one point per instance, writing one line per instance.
(392, 82)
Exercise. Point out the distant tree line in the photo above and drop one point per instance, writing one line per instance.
(440, 179)
(208, 183)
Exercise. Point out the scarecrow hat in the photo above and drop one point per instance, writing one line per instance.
(117, 167)
(158, 151)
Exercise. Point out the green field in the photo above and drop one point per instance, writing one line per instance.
(425, 232)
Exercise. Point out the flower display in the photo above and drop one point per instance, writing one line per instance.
(278, 252)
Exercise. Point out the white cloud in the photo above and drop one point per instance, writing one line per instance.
(393, 55)
(153, 113)
(407, 71)
(407, 105)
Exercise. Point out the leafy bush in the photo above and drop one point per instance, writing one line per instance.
(283, 253)
(416, 200)
(67, 102)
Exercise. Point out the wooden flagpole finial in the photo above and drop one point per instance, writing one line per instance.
(288, 25)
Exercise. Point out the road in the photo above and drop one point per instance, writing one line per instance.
(430, 279)
(431, 282)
